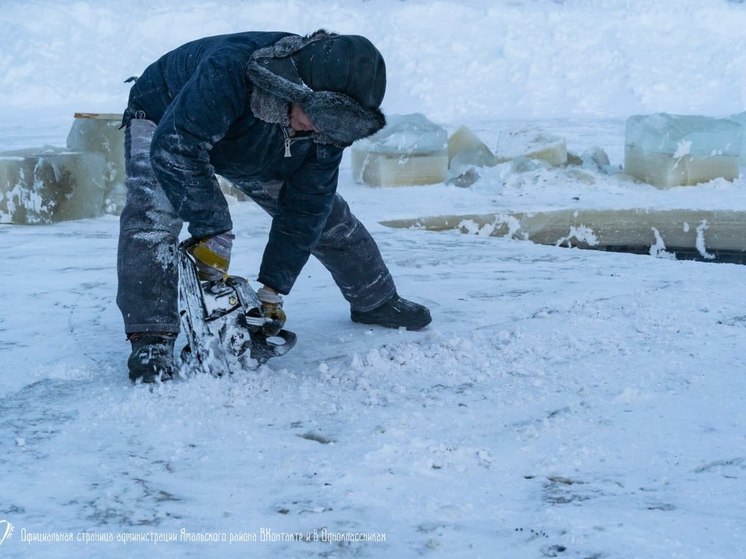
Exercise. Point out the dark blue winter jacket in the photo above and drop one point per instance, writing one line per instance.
(199, 96)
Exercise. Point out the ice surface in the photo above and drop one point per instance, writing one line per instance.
(499, 425)
(410, 150)
(532, 144)
(563, 403)
(675, 150)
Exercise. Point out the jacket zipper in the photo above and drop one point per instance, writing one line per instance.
(288, 142)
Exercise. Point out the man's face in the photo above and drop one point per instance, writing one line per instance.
(299, 120)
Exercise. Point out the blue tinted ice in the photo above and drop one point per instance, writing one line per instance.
(680, 135)
(403, 134)
(740, 118)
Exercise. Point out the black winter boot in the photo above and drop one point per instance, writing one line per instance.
(152, 358)
(395, 313)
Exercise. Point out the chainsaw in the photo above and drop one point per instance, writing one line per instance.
(223, 323)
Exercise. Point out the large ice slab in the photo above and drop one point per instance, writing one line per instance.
(467, 153)
(50, 184)
(676, 150)
(465, 149)
(85, 179)
(409, 150)
(740, 118)
(102, 133)
(531, 144)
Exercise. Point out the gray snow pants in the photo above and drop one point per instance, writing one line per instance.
(149, 234)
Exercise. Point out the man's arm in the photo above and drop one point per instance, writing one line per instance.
(197, 118)
(304, 205)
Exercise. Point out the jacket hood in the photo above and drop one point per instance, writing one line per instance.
(341, 119)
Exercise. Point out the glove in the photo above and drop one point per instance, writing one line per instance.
(212, 256)
(272, 309)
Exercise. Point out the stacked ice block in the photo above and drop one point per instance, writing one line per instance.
(740, 118)
(466, 150)
(673, 150)
(409, 150)
(85, 179)
(531, 144)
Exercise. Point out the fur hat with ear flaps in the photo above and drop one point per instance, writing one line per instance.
(339, 80)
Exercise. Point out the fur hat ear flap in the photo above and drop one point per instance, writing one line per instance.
(342, 119)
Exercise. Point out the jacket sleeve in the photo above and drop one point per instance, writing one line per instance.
(198, 117)
(304, 204)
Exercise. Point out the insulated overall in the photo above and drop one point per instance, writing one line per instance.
(149, 235)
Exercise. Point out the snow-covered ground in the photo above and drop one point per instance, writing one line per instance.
(563, 403)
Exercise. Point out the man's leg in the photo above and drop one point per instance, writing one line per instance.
(146, 260)
(351, 255)
(346, 249)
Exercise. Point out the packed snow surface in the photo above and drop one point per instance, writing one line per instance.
(563, 403)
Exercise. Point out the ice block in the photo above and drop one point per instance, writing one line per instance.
(410, 150)
(532, 144)
(680, 150)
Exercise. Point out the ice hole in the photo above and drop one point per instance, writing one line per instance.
(709, 236)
